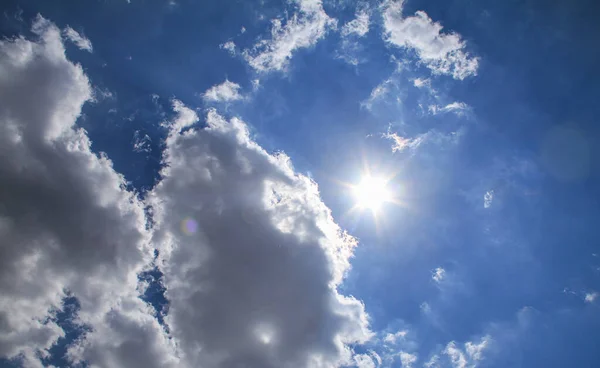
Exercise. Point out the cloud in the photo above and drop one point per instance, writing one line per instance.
(459, 108)
(438, 275)
(141, 144)
(359, 26)
(251, 256)
(590, 297)
(350, 48)
(406, 359)
(488, 197)
(224, 92)
(304, 29)
(470, 356)
(67, 223)
(392, 338)
(443, 53)
(79, 40)
(400, 144)
(364, 361)
(229, 46)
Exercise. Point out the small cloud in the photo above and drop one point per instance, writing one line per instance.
(392, 338)
(422, 82)
(438, 274)
(224, 92)
(400, 144)
(468, 357)
(303, 29)
(433, 362)
(358, 26)
(243, 30)
(590, 297)
(80, 41)
(141, 144)
(407, 360)
(228, 46)
(488, 197)
(459, 108)
(442, 53)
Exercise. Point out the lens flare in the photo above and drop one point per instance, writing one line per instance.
(189, 226)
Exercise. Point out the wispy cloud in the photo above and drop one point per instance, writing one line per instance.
(458, 108)
(359, 26)
(303, 29)
(80, 41)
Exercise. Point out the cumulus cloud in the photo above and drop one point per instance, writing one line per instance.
(251, 256)
(304, 29)
(67, 223)
(224, 92)
(80, 41)
(443, 53)
(359, 26)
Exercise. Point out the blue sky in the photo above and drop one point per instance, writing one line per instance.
(181, 184)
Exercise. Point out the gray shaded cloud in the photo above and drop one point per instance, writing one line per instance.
(251, 256)
(67, 223)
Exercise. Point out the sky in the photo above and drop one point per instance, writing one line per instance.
(299, 183)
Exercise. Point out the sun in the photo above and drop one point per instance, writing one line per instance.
(371, 193)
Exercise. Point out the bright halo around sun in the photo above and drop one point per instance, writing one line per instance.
(371, 193)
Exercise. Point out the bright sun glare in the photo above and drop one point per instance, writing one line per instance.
(371, 193)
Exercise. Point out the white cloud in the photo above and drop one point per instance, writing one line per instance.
(488, 197)
(392, 338)
(433, 362)
(358, 26)
(364, 361)
(590, 297)
(438, 274)
(350, 48)
(443, 53)
(67, 223)
(79, 40)
(304, 29)
(459, 108)
(229, 46)
(141, 144)
(399, 143)
(251, 256)
(470, 356)
(422, 82)
(224, 92)
(407, 360)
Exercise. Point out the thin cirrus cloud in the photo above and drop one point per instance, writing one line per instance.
(80, 41)
(303, 29)
(442, 53)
